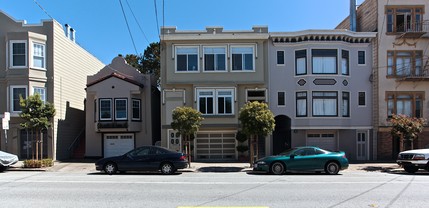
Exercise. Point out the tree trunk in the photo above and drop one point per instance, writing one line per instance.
(37, 144)
(188, 138)
(33, 144)
(41, 145)
(407, 143)
(252, 153)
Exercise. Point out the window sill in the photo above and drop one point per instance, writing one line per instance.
(218, 116)
(38, 69)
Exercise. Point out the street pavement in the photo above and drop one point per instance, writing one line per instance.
(88, 166)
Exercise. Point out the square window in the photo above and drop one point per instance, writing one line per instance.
(324, 61)
(214, 59)
(242, 58)
(41, 91)
(187, 59)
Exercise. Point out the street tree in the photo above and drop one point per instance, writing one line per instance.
(149, 62)
(37, 117)
(407, 128)
(186, 121)
(256, 120)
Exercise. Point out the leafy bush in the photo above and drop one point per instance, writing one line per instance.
(242, 148)
(38, 163)
(240, 136)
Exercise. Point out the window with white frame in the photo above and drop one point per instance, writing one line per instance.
(41, 91)
(39, 55)
(345, 62)
(214, 58)
(281, 58)
(301, 104)
(187, 59)
(301, 62)
(324, 104)
(345, 108)
(120, 109)
(105, 109)
(242, 58)
(324, 61)
(16, 93)
(136, 109)
(18, 53)
(215, 101)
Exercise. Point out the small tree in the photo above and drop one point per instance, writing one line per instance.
(256, 120)
(37, 117)
(186, 121)
(406, 128)
(149, 62)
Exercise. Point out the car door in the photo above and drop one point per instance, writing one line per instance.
(140, 159)
(303, 159)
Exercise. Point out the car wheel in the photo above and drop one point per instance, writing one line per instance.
(277, 168)
(411, 169)
(2, 168)
(167, 168)
(110, 168)
(332, 168)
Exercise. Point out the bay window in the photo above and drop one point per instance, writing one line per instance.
(120, 109)
(301, 104)
(105, 109)
(345, 104)
(136, 112)
(324, 61)
(324, 104)
(39, 55)
(300, 62)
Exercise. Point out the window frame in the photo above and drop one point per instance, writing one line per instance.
(215, 100)
(243, 59)
(359, 99)
(324, 53)
(256, 98)
(116, 109)
(133, 108)
(345, 54)
(282, 58)
(42, 96)
(11, 54)
(364, 58)
(303, 97)
(324, 97)
(215, 58)
(43, 56)
(298, 55)
(12, 99)
(392, 70)
(100, 109)
(392, 12)
(343, 99)
(176, 54)
(279, 100)
(414, 96)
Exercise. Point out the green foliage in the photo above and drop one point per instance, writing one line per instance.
(149, 62)
(186, 120)
(242, 148)
(407, 127)
(38, 163)
(256, 119)
(35, 113)
(240, 137)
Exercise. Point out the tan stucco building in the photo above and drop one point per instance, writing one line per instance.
(43, 58)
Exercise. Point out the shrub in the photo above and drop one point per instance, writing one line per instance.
(38, 163)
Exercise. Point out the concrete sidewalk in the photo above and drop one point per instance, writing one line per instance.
(89, 167)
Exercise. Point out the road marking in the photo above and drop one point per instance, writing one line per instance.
(221, 207)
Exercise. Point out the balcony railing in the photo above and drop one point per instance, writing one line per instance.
(413, 29)
(420, 76)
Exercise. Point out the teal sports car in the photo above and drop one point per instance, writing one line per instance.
(303, 159)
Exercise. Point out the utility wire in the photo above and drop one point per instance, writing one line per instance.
(129, 31)
(137, 21)
(156, 16)
(42, 9)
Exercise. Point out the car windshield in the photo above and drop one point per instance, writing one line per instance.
(288, 151)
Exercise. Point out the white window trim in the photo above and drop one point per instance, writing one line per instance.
(204, 60)
(215, 103)
(11, 42)
(284, 58)
(11, 96)
(126, 109)
(175, 58)
(361, 106)
(44, 55)
(99, 109)
(364, 58)
(253, 58)
(132, 109)
(34, 92)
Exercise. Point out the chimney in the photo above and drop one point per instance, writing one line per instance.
(70, 33)
(353, 15)
(67, 30)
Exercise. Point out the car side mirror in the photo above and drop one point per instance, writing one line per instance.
(292, 156)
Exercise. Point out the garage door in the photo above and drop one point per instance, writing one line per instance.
(215, 146)
(324, 141)
(117, 144)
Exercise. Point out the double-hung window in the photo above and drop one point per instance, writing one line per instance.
(216, 101)
(41, 91)
(18, 53)
(345, 108)
(16, 93)
(281, 98)
(361, 99)
(324, 61)
(105, 109)
(187, 59)
(214, 58)
(361, 58)
(136, 109)
(404, 63)
(345, 62)
(301, 62)
(325, 104)
(242, 58)
(39, 55)
(406, 103)
(120, 109)
(301, 104)
(404, 19)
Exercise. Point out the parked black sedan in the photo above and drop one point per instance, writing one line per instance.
(145, 158)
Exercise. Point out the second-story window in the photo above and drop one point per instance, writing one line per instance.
(39, 55)
(186, 59)
(136, 109)
(105, 109)
(281, 58)
(300, 62)
(214, 59)
(404, 63)
(301, 104)
(345, 108)
(41, 91)
(242, 58)
(325, 104)
(404, 19)
(324, 61)
(120, 109)
(215, 101)
(345, 62)
(361, 58)
(407, 103)
(18, 53)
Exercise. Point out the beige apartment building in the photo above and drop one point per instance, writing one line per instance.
(43, 58)
(214, 71)
(400, 71)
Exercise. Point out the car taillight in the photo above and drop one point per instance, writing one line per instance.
(182, 158)
(344, 156)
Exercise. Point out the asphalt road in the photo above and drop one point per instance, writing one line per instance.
(232, 189)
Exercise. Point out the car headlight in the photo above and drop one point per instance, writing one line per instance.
(419, 157)
(261, 162)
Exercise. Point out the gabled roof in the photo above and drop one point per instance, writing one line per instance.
(119, 76)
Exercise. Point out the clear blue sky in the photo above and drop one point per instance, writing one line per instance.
(101, 29)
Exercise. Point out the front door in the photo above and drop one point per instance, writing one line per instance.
(362, 145)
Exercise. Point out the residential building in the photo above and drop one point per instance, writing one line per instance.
(400, 65)
(122, 110)
(215, 71)
(45, 59)
(320, 91)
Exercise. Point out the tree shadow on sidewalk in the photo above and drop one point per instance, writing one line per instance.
(220, 169)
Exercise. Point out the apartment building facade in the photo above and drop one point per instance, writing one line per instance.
(320, 91)
(215, 71)
(45, 59)
(401, 78)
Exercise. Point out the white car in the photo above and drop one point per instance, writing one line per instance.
(413, 160)
(6, 160)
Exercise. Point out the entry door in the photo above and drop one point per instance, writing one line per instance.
(174, 141)
(362, 145)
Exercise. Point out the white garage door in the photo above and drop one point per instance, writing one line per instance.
(117, 144)
(215, 146)
(324, 141)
